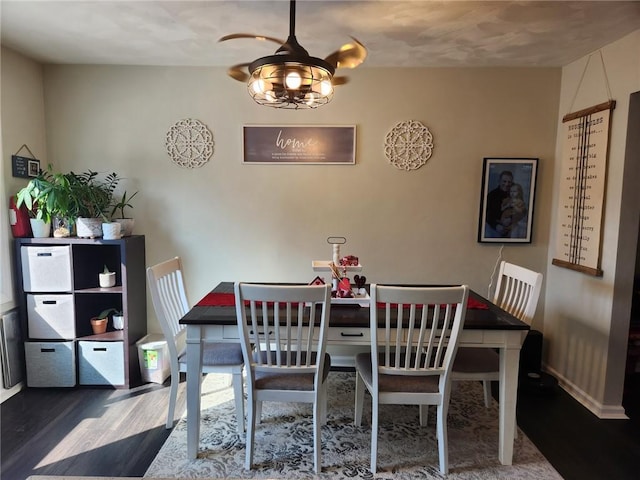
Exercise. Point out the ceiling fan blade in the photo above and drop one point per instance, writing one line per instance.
(350, 55)
(339, 81)
(234, 36)
(239, 72)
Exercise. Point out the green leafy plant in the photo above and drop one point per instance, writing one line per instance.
(38, 196)
(72, 195)
(105, 313)
(122, 204)
(92, 196)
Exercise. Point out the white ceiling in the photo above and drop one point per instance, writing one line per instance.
(396, 33)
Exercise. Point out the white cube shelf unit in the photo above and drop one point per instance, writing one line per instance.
(59, 292)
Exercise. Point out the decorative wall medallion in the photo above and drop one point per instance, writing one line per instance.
(408, 145)
(189, 143)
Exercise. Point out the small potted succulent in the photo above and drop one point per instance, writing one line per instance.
(106, 279)
(100, 321)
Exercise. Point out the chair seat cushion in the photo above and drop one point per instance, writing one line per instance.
(217, 354)
(476, 360)
(396, 383)
(281, 380)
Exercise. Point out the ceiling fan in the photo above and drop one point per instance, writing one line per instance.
(291, 78)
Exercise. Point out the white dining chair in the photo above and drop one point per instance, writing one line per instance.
(412, 352)
(283, 332)
(517, 292)
(169, 298)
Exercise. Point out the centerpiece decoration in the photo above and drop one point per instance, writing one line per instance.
(342, 290)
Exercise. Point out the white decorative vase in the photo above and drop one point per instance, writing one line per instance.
(40, 228)
(118, 322)
(89, 227)
(107, 279)
(111, 231)
(126, 226)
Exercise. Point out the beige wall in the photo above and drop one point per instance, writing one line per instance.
(22, 117)
(21, 122)
(586, 343)
(231, 221)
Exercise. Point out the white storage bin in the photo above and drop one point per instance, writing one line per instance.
(51, 317)
(50, 364)
(153, 356)
(100, 363)
(46, 269)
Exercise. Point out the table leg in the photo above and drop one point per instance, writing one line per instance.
(194, 385)
(509, 364)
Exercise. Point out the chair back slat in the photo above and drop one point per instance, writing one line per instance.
(427, 323)
(283, 326)
(168, 295)
(517, 291)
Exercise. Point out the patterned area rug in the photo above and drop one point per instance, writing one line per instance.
(284, 444)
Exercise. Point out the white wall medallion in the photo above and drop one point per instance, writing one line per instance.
(189, 143)
(408, 145)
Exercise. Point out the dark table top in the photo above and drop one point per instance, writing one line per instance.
(494, 318)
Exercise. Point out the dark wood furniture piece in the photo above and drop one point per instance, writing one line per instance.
(110, 358)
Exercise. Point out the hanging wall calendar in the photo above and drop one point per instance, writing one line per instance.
(582, 188)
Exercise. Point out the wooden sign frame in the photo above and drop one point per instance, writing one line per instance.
(582, 188)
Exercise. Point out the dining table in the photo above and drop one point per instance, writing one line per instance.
(486, 325)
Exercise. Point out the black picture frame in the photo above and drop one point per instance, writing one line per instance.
(34, 168)
(506, 214)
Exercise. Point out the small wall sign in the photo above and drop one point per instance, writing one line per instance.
(24, 167)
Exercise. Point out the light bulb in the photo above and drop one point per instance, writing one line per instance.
(269, 96)
(310, 98)
(260, 86)
(326, 88)
(293, 80)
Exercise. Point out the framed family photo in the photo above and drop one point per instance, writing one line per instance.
(506, 201)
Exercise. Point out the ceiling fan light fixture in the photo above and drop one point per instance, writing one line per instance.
(286, 81)
(291, 78)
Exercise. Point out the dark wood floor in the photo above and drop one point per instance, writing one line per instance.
(83, 431)
(105, 432)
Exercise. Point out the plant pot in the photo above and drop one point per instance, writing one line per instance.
(126, 226)
(40, 228)
(111, 231)
(118, 322)
(89, 227)
(107, 279)
(99, 325)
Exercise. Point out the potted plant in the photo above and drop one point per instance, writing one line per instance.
(37, 197)
(66, 204)
(126, 224)
(106, 279)
(99, 322)
(93, 198)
